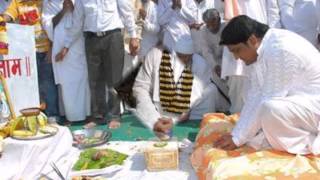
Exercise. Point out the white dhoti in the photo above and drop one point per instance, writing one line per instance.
(235, 71)
(290, 127)
(71, 73)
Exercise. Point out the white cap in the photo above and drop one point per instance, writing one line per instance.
(184, 45)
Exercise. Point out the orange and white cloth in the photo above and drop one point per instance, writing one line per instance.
(245, 162)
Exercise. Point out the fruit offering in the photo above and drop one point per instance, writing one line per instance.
(31, 125)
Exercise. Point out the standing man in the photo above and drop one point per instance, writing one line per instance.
(101, 22)
(299, 16)
(29, 13)
(283, 106)
(151, 27)
(70, 72)
(212, 51)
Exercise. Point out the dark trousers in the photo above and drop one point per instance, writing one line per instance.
(47, 87)
(105, 57)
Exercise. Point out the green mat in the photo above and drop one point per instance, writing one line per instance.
(133, 130)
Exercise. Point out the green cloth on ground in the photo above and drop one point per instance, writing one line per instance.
(133, 130)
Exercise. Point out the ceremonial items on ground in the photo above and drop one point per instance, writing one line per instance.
(90, 138)
(162, 155)
(32, 124)
(99, 159)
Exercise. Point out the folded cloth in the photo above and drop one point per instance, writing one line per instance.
(245, 162)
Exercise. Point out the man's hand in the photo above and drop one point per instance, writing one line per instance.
(184, 117)
(225, 142)
(176, 4)
(217, 70)
(134, 46)
(163, 125)
(195, 26)
(67, 6)
(62, 54)
(142, 13)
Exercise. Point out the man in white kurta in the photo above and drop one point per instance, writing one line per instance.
(299, 16)
(151, 28)
(147, 88)
(283, 105)
(212, 51)
(70, 73)
(265, 11)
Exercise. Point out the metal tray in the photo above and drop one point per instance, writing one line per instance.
(39, 135)
(102, 135)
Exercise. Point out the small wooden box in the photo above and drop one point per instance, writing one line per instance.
(162, 158)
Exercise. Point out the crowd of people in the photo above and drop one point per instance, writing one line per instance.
(257, 57)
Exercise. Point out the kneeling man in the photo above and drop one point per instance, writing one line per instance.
(282, 109)
(173, 87)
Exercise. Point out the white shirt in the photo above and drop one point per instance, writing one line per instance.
(3, 5)
(318, 13)
(195, 9)
(287, 66)
(273, 13)
(298, 16)
(146, 87)
(211, 50)
(100, 16)
(255, 9)
(151, 29)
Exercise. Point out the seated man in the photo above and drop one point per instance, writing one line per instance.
(173, 87)
(283, 104)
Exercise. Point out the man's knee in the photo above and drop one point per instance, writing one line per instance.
(269, 111)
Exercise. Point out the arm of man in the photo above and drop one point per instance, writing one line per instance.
(286, 14)
(273, 13)
(142, 90)
(151, 21)
(125, 8)
(11, 13)
(187, 11)
(206, 50)
(77, 24)
(282, 72)
(49, 12)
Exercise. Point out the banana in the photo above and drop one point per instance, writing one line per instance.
(42, 120)
(32, 124)
(22, 133)
(16, 124)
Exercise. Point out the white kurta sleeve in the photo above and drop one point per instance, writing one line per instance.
(286, 14)
(126, 12)
(206, 51)
(151, 23)
(46, 18)
(188, 13)
(273, 14)
(142, 90)
(318, 14)
(77, 24)
(201, 80)
(280, 69)
(164, 15)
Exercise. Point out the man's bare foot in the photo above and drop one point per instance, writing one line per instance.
(114, 124)
(89, 125)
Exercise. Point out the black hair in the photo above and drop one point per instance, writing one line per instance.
(240, 28)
